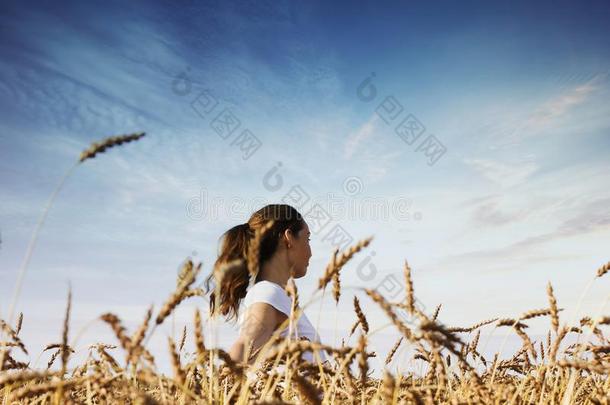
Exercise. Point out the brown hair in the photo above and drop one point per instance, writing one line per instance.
(236, 244)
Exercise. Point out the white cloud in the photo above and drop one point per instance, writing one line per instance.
(492, 214)
(549, 114)
(501, 173)
(360, 135)
(510, 118)
(561, 104)
(556, 216)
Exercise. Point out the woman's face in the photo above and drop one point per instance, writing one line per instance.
(300, 251)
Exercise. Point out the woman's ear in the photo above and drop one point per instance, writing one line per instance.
(288, 238)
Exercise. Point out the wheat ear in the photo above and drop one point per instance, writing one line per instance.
(337, 262)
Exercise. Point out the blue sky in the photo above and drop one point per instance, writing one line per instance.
(517, 94)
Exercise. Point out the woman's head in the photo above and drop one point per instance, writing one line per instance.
(286, 239)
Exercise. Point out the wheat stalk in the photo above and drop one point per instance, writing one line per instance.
(337, 262)
(107, 143)
(307, 391)
(13, 335)
(175, 361)
(254, 249)
(336, 287)
(118, 329)
(390, 355)
(65, 354)
(553, 307)
(19, 323)
(387, 308)
(603, 270)
(136, 340)
(360, 314)
(179, 294)
(577, 373)
(410, 298)
(86, 154)
(182, 340)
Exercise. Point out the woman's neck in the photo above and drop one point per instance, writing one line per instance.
(274, 270)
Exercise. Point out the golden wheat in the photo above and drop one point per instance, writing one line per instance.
(452, 369)
(338, 261)
(107, 143)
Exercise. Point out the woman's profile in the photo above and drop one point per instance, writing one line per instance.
(260, 301)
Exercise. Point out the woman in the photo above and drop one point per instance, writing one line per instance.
(283, 251)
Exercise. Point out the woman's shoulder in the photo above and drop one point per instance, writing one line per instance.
(270, 293)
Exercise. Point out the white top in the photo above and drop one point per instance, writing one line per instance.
(274, 295)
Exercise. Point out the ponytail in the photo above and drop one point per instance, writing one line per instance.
(234, 284)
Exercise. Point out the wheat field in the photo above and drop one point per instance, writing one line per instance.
(547, 372)
(124, 370)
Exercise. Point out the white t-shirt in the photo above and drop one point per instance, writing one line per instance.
(274, 295)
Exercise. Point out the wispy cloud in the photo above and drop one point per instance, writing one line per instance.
(560, 105)
(360, 135)
(503, 174)
(593, 217)
(543, 111)
(552, 113)
(491, 214)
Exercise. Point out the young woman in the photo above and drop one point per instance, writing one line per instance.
(283, 250)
